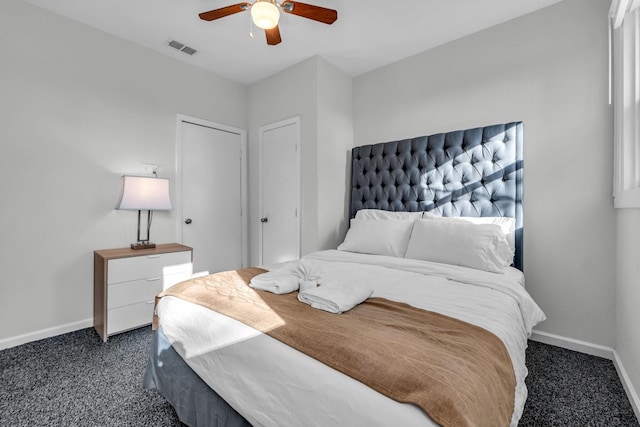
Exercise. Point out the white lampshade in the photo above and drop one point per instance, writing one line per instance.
(144, 193)
(265, 14)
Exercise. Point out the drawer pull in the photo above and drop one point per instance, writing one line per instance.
(153, 279)
(153, 256)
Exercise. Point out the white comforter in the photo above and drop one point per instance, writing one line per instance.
(272, 384)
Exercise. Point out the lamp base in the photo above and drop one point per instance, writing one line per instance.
(143, 245)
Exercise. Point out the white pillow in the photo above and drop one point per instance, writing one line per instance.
(378, 236)
(507, 225)
(380, 214)
(479, 246)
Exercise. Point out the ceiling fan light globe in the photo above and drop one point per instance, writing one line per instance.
(265, 14)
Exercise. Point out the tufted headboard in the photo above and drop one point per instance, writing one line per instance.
(473, 172)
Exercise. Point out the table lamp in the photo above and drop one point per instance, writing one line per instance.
(143, 193)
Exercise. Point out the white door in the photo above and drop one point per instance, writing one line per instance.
(280, 191)
(211, 194)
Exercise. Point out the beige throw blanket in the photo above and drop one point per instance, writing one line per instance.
(458, 373)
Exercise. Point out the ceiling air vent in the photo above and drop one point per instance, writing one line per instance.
(182, 48)
(189, 50)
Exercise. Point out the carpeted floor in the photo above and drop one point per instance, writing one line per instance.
(567, 388)
(76, 380)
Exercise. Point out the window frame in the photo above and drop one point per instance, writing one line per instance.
(624, 24)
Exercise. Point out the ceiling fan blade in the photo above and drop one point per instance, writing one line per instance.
(309, 11)
(224, 11)
(273, 36)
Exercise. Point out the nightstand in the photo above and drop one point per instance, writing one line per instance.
(126, 281)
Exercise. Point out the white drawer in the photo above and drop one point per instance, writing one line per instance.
(142, 290)
(126, 293)
(172, 279)
(147, 266)
(129, 316)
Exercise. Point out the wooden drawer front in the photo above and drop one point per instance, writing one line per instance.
(147, 266)
(126, 293)
(129, 316)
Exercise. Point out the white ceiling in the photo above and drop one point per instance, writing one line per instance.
(367, 35)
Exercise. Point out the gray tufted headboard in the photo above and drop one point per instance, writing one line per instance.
(474, 172)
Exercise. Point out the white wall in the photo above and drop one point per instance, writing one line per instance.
(548, 69)
(78, 109)
(322, 96)
(335, 141)
(628, 294)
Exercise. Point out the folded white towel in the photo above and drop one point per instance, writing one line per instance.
(276, 283)
(308, 284)
(335, 299)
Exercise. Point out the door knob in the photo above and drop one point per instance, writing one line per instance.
(265, 219)
(187, 221)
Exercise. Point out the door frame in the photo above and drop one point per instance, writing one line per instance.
(181, 119)
(261, 130)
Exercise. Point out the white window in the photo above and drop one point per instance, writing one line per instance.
(625, 24)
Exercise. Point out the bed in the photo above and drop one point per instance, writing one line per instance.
(407, 250)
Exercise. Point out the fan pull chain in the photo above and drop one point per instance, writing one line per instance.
(250, 26)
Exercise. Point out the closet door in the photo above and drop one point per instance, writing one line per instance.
(280, 191)
(212, 179)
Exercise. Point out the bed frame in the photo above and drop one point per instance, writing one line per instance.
(475, 172)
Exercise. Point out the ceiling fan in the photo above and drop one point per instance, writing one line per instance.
(265, 14)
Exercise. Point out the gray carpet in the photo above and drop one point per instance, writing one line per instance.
(567, 388)
(76, 380)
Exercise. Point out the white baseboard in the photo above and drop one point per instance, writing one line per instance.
(626, 383)
(573, 344)
(44, 333)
